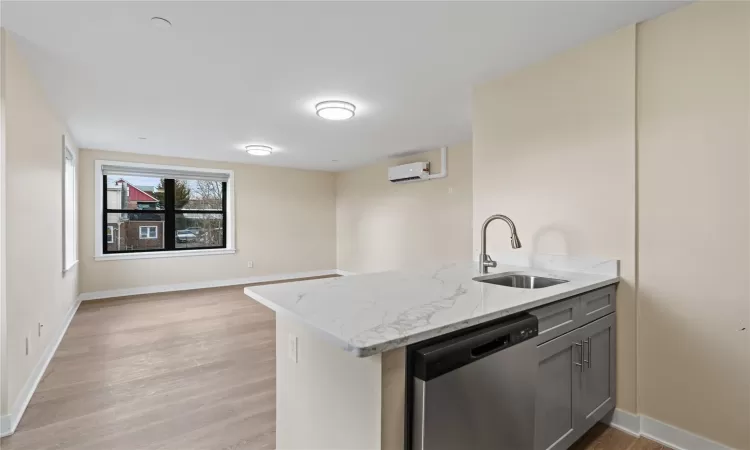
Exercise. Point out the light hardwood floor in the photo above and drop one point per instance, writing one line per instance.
(185, 371)
(601, 437)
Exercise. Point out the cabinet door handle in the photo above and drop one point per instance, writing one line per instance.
(580, 354)
(588, 341)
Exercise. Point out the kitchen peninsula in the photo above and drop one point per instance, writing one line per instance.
(341, 343)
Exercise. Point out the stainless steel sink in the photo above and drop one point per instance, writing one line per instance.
(519, 280)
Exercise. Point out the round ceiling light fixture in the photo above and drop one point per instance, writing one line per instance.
(335, 110)
(258, 150)
(161, 22)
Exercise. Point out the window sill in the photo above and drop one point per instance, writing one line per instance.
(170, 254)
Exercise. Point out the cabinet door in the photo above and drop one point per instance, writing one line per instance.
(598, 391)
(558, 392)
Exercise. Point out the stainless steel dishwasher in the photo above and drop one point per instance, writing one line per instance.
(477, 391)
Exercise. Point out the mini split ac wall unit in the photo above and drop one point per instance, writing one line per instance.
(409, 172)
(418, 171)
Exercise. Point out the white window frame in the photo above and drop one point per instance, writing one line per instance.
(148, 229)
(99, 254)
(111, 234)
(70, 211)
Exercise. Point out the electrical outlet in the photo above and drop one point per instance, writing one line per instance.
(293, 348)
(250, 264)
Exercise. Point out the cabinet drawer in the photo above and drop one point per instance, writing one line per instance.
(597, 304)
(557, 318)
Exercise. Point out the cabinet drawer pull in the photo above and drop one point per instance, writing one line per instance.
(587, 361)
(580, 354)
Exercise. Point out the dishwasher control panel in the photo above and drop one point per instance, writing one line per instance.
(450, 354)
(527, 333)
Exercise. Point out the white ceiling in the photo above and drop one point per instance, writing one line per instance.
(228, 74)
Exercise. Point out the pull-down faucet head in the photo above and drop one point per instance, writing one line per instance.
(514, 241)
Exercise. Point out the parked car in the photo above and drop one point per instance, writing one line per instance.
(185, 236)
(195, 230)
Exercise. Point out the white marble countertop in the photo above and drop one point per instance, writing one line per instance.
(370, 313)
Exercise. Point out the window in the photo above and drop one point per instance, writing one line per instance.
(148, 210)
(70, 233)
(148, 232)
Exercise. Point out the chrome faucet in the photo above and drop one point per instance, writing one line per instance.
(485, 260)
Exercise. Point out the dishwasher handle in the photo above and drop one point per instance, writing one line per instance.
(490, 346)
(449, 354)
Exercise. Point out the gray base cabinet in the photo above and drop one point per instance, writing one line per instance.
(576, 379)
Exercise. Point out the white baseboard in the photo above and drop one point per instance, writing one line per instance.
(344, 273)
(676, 438)
(668, 435)
(85, 296)
(624, 421)
(8, 423)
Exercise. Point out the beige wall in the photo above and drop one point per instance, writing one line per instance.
(694, 208)
(36, 290)
(554, 149)
(285, 223)
(382, 226)
(3, 284)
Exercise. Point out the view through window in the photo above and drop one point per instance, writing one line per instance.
(151, 213)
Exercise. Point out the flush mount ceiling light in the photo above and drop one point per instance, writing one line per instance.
(258, 150)
(160, 22)
(335, 110)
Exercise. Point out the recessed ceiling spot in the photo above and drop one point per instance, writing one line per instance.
(258, 150)
(335, 110)
(160, 22)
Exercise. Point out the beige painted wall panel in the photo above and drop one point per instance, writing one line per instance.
(36, 291)
(3, 264)
(285, 223)
(387, 226)
(694, 86)
(554, 149)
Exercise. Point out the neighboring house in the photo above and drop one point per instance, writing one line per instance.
(147, 189)
(133, 230)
